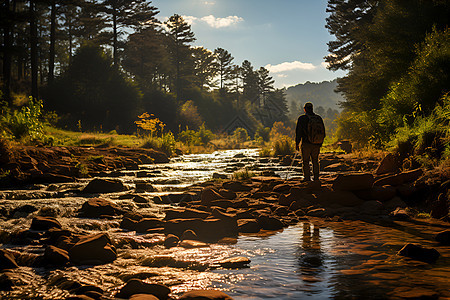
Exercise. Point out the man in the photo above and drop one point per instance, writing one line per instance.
(311, 133)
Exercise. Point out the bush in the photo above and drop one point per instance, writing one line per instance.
(243, 174)
(283, 146)
(262, 133)
(279, 129)
(240, 135)
(26, 122)
(166, 143)
(196, 138)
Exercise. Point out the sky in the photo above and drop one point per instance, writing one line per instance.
(288, 37)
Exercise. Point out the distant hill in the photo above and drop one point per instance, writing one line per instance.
(320, 94)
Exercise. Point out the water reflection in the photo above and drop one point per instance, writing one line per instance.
(311, 258)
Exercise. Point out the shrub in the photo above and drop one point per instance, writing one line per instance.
(240, 135)
(165, 143)
(283, 146)
(196, 138)
(243, 174)
(26, 122)
(262, 133)
(280, 129)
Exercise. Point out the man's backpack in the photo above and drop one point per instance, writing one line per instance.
(316, 129)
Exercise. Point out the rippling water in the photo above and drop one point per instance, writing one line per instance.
(312, 260)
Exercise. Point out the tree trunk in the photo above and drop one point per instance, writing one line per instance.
(34, 50)
(7, 56)
(51, 60)
(115, 35)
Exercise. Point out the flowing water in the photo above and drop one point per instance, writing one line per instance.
(315, 259)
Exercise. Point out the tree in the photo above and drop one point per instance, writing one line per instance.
(265, 82)
(250, 82)
(181, 36)
(205, 67)
(136, 14)
(224, 66)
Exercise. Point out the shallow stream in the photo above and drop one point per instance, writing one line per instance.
(315, 259)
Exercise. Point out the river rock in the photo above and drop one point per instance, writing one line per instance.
(9, 279)
(101, 185)
(40, 223)
(141, 226)
(270, 223)
(143, 297)
(139, 199)
(189, 235)
(206, 230)
(353, 182)
(342, 198)
(7, 260)
(372, 208)
(185, 213)
(22, 211)
(420, 253)
(97, 207)
(137, 286)
(171, 240)
(401, 178)
(400, 214)
(209, 195)
(56, 256)
(380, 193)
(191, 244)
(235, 262)
(227, 194)
(93, 249)
(443, 238)
(248, 226)
(389, 164)
(236, 186)
(282, 188)
(205, 295)
(394, 203)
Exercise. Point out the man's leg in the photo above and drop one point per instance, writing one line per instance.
(306, 153)
(315, 150)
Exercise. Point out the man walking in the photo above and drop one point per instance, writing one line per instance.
(310, 132)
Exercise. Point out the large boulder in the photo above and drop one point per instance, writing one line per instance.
(270, 222)
(205, 295)
(248, 226)
(338, 198)
(399, 179)
(185, 213)
(420, 253)
(40, 223)
(236, 186)
(209, 195)
(353, 182)
(97, 207)
(101, 185)
(443, 238)
(56, 256)
(137, 286)
(389, 164)
(92, 250)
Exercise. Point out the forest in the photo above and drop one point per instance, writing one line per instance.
(98, 65)
(397, 57)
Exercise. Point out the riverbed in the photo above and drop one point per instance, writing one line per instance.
(314, 259)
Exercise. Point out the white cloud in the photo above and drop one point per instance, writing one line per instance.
(221, 22)
(290, 66)
(282, 76)
(214, 22)
(209, 2)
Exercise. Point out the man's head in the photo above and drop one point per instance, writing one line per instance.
(308, 107)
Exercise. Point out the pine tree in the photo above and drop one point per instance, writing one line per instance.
(181, 36)
(225, 66)
(205, 67)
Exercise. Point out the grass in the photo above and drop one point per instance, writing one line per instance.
(63, 137)
(243, 174)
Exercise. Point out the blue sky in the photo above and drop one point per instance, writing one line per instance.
(288, 37)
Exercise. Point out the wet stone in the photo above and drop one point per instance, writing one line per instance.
(420, 253)
(205, 295)
(40, 223)
(443, 238)
(136, 286)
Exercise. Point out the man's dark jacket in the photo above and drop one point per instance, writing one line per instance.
(301, 132)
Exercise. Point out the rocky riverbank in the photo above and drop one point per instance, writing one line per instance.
(22, 165)
(213, 213)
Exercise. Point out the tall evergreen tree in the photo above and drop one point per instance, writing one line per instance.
(224, 66)
(181, 37)
(205, 67)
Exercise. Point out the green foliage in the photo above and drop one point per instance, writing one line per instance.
(417, 92)
(360, 127)
(165, 143)
(262, 133)
(24, 122)
(265, 152)
(283, 146)
(201, 137)
(240, 135)
(95, 92)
